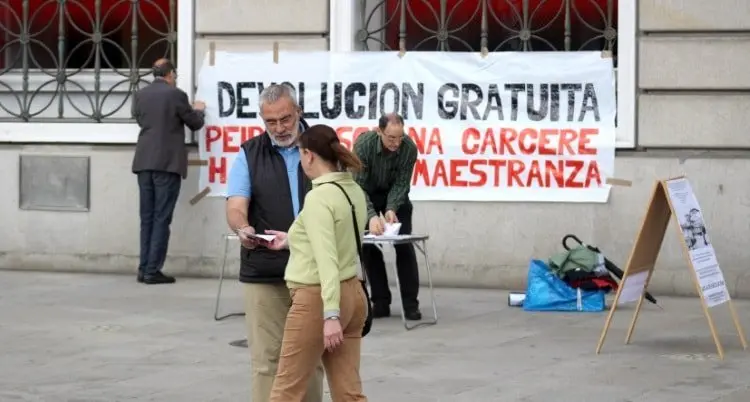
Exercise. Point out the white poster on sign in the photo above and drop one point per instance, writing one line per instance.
(633, 287)
(702, 254)
(511, 126)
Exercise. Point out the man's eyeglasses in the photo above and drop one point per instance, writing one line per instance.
(393, 138)
(285, 121)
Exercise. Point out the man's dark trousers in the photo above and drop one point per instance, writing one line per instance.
(406, 262)
(158, 193)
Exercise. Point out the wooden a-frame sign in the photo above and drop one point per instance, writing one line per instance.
(673, 198)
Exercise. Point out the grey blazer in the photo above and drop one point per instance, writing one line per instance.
(162, 111)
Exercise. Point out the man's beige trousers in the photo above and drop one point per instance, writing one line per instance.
(266, 307)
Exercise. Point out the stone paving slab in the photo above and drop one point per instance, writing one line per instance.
(87, 338)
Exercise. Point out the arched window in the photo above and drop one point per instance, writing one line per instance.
(507, 25)
(498, 25)
(79, 61)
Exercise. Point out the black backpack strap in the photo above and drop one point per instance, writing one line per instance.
(356, 228)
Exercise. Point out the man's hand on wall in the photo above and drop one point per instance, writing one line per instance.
(199, 105)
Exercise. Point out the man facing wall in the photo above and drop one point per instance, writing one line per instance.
(162, 111)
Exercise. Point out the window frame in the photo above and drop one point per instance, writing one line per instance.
(112, 133)
(344, 26)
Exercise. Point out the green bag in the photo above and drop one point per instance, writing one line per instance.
(579, 258)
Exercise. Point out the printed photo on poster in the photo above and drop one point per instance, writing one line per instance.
(694, 230)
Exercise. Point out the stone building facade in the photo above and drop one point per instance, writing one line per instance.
(66, 136)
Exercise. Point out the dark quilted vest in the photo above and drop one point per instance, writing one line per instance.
(270, 208)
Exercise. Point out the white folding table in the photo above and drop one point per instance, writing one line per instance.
(420, 243)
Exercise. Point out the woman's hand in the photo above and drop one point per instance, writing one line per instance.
(333, 335)
(279, 242)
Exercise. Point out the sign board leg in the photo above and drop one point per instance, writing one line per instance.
(638, 309)
(738, 325)
(633, 321)
(711, 325)
(611, 314)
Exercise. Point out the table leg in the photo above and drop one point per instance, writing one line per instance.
(221, 281)
(423, 250)
(398, 287)
(429, 280)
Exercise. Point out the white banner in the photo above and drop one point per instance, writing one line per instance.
(536, 126)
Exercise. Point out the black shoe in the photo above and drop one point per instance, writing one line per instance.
(381, 310)
(157, 279)
(412, 314)
(140, 277)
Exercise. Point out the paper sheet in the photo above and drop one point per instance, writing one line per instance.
(702, 254)
(392, 229)
(386, 237)
(632, 287)
(391, 232)
(265, 237)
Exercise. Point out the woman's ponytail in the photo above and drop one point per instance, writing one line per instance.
(324, 141)
(346, 158)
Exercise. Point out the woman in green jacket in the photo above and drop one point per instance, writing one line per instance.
(329, 307)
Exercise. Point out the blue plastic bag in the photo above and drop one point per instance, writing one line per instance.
(546, 292)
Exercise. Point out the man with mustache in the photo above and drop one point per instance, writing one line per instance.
(266, 190)
(389, 156)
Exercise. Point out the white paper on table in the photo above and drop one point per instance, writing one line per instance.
(392, 229)
(632, 287)
(386, 237)
(391, 232)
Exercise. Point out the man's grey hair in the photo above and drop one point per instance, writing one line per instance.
(274, 92)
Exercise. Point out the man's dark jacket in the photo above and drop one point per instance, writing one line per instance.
(162, 111)
(270, 207)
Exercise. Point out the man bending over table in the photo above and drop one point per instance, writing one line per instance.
(389, 155)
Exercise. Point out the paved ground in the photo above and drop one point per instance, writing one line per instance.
(74, 337)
